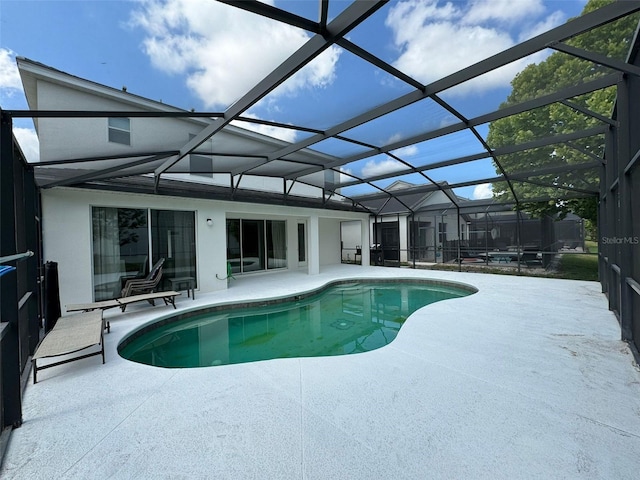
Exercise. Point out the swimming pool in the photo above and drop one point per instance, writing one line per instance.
(340, 319)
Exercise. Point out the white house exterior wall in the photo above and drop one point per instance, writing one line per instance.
(351, 233)
(329, 241)
(82, 137)
(66, 212)
(69, 138)
(66, 231)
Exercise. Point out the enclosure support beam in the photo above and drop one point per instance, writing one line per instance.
(603, 224)
(9, 332)
(413, 230)
(563, 32)
(627, 146)
(486, 238)
(351, 17)
(597, 58)
(520, 250)
(544, 142)
(459, 238)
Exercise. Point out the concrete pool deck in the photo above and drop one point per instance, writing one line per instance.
(527, 378)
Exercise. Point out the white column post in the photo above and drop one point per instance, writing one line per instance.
(365, 236)
(403, 238)
(314, 246)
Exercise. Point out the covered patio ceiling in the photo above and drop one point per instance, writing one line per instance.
(425, 118)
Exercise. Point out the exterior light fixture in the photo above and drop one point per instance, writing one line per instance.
(209, 222)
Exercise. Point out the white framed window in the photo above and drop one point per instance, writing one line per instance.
(442, 232)
(120, 130)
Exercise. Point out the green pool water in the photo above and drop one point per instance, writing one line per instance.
(339, 320)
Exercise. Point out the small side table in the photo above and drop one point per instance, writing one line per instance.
(177, 283)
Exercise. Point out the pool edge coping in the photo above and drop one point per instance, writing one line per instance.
(150, 325)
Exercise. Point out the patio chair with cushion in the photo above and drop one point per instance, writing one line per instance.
(137, 286)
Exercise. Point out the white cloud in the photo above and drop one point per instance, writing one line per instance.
(10, 86)
(395, 137)
(345, 175)
(505, 11)
(10, 83)
(552, 21)
(408, 151)
(373, 167)
(224, 51)
(28, 141)
(482, 191)
(435, 40)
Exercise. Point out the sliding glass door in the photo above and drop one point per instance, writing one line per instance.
(120, 248)
(127, 241)
(276, 244)
(173, 238)
(252, 245)
(255, 245)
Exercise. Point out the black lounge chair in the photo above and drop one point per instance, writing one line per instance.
(138, 286)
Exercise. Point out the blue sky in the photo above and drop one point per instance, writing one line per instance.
(205, 55)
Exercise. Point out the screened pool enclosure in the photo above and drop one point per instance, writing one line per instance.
(429, 142)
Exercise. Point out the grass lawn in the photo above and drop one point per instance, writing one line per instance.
(572, 266)
(578, 266)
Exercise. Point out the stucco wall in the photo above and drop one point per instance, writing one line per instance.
(351, 235)
(329, 241)
(66, 229)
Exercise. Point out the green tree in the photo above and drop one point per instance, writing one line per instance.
(558, 71)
